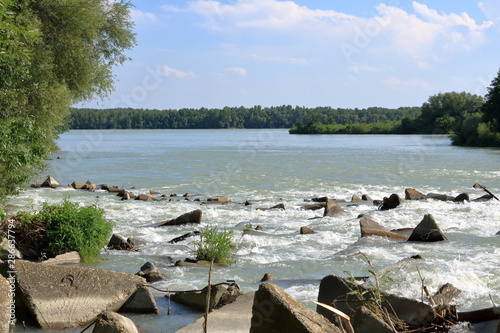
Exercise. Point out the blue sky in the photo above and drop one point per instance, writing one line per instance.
(362, 53)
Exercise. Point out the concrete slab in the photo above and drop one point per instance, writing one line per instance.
(61, 297)
(235, 318)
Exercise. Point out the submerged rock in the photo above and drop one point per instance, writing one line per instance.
(370, 227)
(219, 296)
(412, 194)
(184, 237)
(332, 209)
(462, 197)
(151, 273)
(189, 217)
(391, 202)
(306, 231)
(118, 242)
(427, 231)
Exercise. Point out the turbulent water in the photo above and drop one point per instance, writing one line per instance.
(271, 167)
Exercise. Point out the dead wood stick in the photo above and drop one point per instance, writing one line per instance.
(477, 185)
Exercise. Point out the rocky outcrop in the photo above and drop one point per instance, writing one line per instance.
(332, 209)
(151, 273)
(112, 322)
(391, 202)
(347, 296)
(190, 217)
(60, 297)
(275, 311)
(427, 231)
(412, 194)
(370, 227)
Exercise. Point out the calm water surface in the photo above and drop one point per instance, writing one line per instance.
(271, 167)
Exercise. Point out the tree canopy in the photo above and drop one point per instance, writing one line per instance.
(53, 53)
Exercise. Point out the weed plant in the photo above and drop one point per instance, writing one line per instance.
(215, 245)
(70, 227)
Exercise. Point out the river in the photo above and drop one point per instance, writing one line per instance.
(270, 167)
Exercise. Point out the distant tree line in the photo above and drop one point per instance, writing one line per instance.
(284, 116)
(469, 120)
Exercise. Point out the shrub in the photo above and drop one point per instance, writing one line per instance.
(215, 245)
(70, 227)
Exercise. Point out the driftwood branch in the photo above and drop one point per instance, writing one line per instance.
(339, 314)
(477, 185)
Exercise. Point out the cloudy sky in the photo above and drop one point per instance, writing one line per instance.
(216, 53)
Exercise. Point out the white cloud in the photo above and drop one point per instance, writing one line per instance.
(168, 71)
(397, 83)
(282, 59)
(358, 68)
(237, 70)
(420, 34)
(139, 16)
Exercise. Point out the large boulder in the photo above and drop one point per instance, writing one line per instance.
(332, 209)
(7, 305)
(427, 231)
(347, 296)
(77, 185)
(412, 194)
(190, 217)
(60, 297)
(112, 322)
(370, 227)
(275, 311)
(391, 202)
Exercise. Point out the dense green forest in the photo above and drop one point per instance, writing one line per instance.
(284, 116)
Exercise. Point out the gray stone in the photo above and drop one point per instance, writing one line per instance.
(314, 206)
(427, 231)
(440, 197)
(370, 227)
(7, 306)
(198, 299)
(365, 321)
(336, 291)
(332, 209)
(232, 318)
(77, 185)
(412, 194)
(111, 322)
(68, 258)
(50, 182)
(151, 273)
(142, 301)
(8, 249)
(190, 217)
(275, 311)
(61, 297)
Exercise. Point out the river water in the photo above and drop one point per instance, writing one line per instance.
(271, 167)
